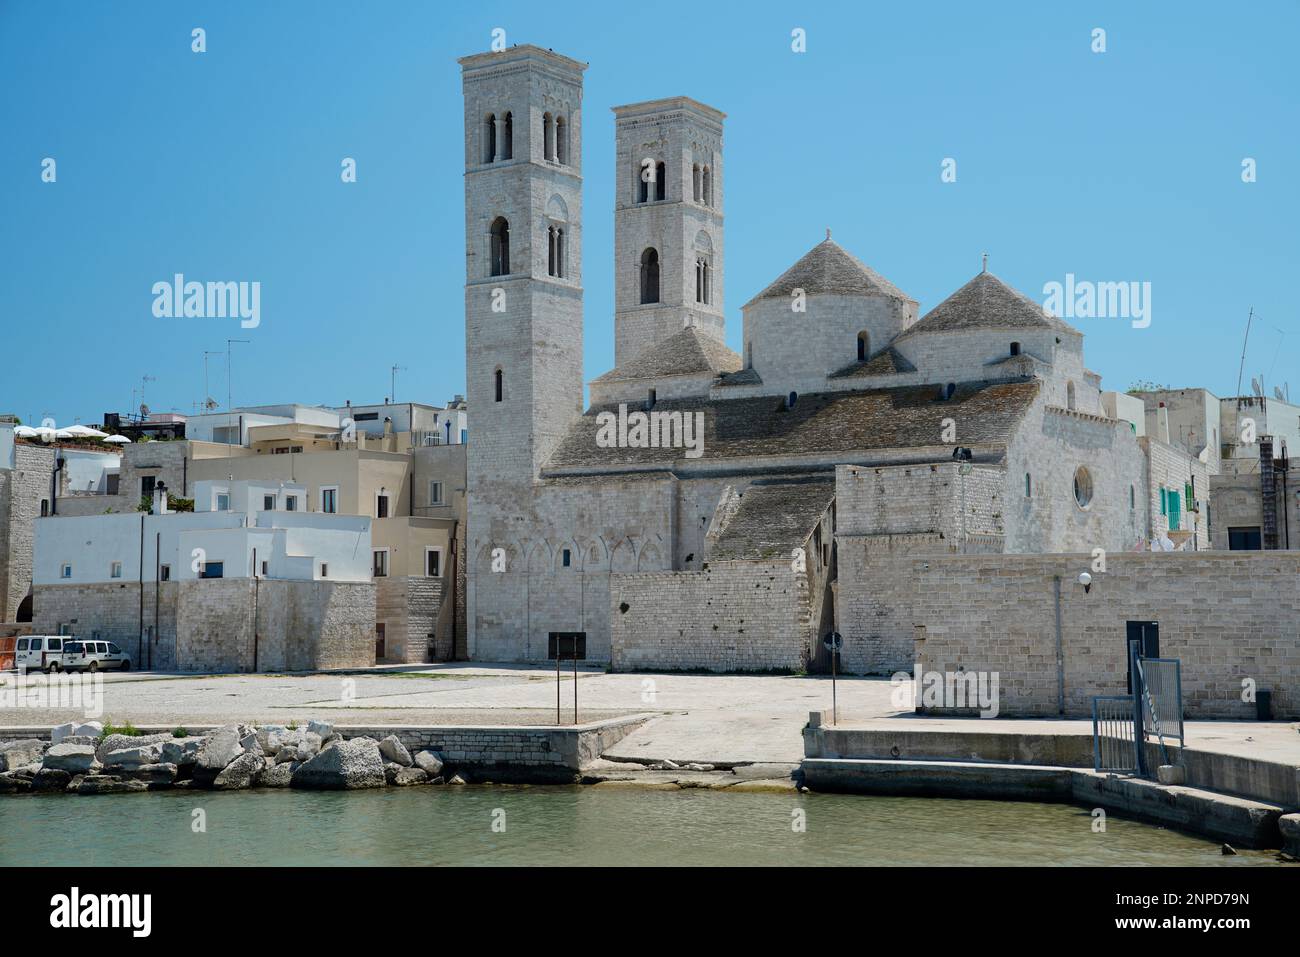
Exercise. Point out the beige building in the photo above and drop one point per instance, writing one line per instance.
(413, 492)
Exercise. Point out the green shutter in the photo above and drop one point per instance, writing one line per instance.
(1175, 512)
(1164, 502)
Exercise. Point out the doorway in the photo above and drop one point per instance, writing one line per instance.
(1147, 636)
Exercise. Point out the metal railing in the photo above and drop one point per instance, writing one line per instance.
(1114, 741)
(1153, 709)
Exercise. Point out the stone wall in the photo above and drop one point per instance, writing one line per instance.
(22, 489)
(410, 608)
(1228, 616)
(206, 625)
(732, 616)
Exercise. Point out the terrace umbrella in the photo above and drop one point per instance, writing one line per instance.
(24, 432)
(85, 432)
(44, 432)
(118, 440)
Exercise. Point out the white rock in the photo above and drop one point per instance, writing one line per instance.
(129, 759)
(92, 728)
(428, 762)
(393, 750)
(73, 758)
(323, 728)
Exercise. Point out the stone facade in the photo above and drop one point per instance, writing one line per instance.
(25, 483)
(208, 625)
(1229, 617)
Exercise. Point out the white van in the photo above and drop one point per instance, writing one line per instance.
(80, 654)
(38, 653)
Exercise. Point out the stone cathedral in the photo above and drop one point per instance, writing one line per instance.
(851, 431)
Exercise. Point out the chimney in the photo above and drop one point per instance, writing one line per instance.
(159, 500)
(1162, 424)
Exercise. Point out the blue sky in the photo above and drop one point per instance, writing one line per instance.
(1119, 166)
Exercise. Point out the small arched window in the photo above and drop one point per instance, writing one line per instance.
(695, 182)
(650, 276)
(559, 251)
(1132, 498)
(500, 383)
(508, 148)
(1069, 395)
(864, 346)
(566, 558)
(499, 253)
(1015, 348)
(561, 141)
(706, 186)
(661, 181)
(1028, 486)
(948, 391)
(548, 137)
(490, 139)
(703, 281)
(791, 399)
(651, 399)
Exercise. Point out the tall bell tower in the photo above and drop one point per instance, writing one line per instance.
(667, 223)
(523, 266)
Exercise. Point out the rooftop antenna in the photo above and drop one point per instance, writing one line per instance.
(208, 403)
(1242, 368)
(229, 402)
(828, 233)
(392, 381)
(985, 266)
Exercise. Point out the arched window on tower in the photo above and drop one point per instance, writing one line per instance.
(550, 250)
(1015, 348)
(499, 375)
(1069, 395)
(699, 280)
(864, 346)
(661, 181)
(706, 186)
(500, 247)
(490, 139)
(650, 276)
(548, 137)
(561, 141)
(509, 150)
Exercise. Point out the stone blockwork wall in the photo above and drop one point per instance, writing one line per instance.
(207, 625)
(1228, 617)
(410, 609)
(732, 616)
(22, 489)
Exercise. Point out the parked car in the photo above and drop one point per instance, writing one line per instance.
(38, 653)
(84, 655)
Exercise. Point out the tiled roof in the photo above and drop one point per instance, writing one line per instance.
(986, 302)
(689, 352)
(773, 520)
(829, 269)
(826, 423)
(743, 377)
(887, 361)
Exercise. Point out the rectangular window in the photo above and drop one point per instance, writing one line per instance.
(329, 500)
(45, 507)
(223, 501)
(291, 503)
(65, 571)
(164, 573)
(381, 506)
(1245, 539)
(379, 641)
(324, 570)
(113, 479)
(147, 483)
(435, 493)
(268, 503)
(213, 570)
(115, 570)
(432, 562)
(265, 565)
(380, 557)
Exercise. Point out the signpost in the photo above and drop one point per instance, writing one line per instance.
(562, 645)
(834, 642)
